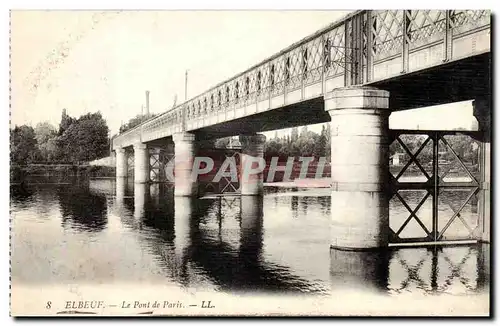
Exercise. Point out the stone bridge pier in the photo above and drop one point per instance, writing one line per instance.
(121, 163)
(252, 164)
(175, 161)
(359, 167)
(185, 151)
(141, 163)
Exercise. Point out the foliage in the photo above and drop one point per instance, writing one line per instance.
(308, 143)
(135, 121)
(86, 139)
(222, 142)
(77, 140)
(321, 145)
(462, 145)
(66, 121)
(46, 134)
(44, 131)
(305, 143)
(413, 143)
(23, 145)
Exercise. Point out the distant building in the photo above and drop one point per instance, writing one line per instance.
(395, 159)
(234, 143)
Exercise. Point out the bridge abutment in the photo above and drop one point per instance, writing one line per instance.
(252, 164)
(185, 184)
(141, 163)
(121, 163)
(482, 112)
(359, 167)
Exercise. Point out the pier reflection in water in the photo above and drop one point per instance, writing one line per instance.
(433, 270)
(276, 243)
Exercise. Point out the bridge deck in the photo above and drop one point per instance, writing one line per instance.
(366, 47)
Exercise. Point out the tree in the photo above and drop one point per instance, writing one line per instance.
(23, 145)
(85, 139)
(46, 135)
(49, 150)
(44, 131)
(462, 145)
(66, 121)
(320, 145)
(307, 143)
(294, 135)
(304, 133)
(284, 150)
(273, 148)
(413, 143)
(222, 142)
(328, 143)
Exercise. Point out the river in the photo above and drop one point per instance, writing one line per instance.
(98, 232)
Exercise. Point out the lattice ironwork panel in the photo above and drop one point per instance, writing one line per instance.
(465, 20)
(263, 82)
(212, 102)
(435, 186)
(411, 215)
(277, 75)
(459, 175)
(201, 107)
(293, 65)
(226, 183)
(388, 33)
(412, 158)
(229, 95)
(313, 56)
(335, 49)
(251, 86)
(238, 90)
(425, 26)
(220, 99)
(459, 157)
(190, 111)
(365, 32)
(196, 109)
(205, 104)
(130, 163)
(458, 213)
(159, 158)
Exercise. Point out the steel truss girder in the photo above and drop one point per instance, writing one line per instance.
(433, 185)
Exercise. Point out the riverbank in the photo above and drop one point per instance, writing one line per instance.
(25, 173)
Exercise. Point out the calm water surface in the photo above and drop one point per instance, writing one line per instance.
(98, 231)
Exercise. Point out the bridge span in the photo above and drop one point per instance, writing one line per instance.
(353, 74)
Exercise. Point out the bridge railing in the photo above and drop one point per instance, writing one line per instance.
(351, 48)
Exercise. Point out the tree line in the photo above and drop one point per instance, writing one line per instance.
(305, 143)
(74, 141)
(135, 121)
(463, 146)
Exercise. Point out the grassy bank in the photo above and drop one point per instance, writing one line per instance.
(22, 173)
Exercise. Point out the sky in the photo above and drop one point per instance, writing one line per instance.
(87, 61)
